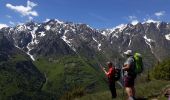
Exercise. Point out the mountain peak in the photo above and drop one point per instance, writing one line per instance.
(151, 21)
(54, 20)
(3, 25)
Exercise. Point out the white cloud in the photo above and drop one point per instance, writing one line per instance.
(31, 4)
(30, 18)
(3, 25)
(8, 16)
(12, 23)
(132, 17)
(134, 22)
(160, 13)
(24, 10)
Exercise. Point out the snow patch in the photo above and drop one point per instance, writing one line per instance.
(3, 25)
(115, 35)
(29, 28)
(58, 21)
(47, 27)
(68, 43)
(121, 27)
(73, 30)
(148, 42)
(151, 21)
(127, 33)
(134, 22)
(104, 33)
(39, 25)
(89, 27)
(32, 43)
(130, 42)
(18, 47)
(47, 20)
(99, 44)
(95, 39)
(28, 52)
(65, 39)
(111, 42)
(167, 37)
(21, 28)
(42, 34)
(11, 31)
(66, 31)
(158, 24)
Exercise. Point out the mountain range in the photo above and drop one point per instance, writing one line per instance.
(57, 56)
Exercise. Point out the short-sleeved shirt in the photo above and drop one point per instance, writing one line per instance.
(130, 61)
(110, 74)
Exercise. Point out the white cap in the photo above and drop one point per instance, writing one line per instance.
(128, 52)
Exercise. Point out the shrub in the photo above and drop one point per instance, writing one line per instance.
(162, 70)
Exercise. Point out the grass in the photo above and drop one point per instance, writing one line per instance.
(18, 77)
(73, 73)
(152, 88)
(53, 72)
(105, 95)
(71, 77)
(8, 86)
(148, 90)
(67, 73)
(8, 83)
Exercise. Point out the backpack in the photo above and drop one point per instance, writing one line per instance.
(117, 74)
(138, 63)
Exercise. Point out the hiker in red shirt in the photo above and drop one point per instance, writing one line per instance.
(110, 74)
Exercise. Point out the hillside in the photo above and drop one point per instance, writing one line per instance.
(53, 58)
(69, 72)
(149, 86)
(18, 74)
(146, 91)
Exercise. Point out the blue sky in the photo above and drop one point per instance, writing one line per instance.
(96, 13)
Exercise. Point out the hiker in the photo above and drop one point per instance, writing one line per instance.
(129, 75)
(110, 74)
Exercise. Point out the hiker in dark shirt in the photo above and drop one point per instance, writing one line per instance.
(110, 74)
(129, 75)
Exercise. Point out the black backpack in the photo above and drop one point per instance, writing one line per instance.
(117, 74)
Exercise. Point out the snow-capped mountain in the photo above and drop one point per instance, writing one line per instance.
(57, 38)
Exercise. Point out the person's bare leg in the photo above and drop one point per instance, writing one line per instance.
(133, 91)
(129, 92)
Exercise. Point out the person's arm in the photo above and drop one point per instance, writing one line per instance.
(105, 71)
(126, 67)
(110, 71)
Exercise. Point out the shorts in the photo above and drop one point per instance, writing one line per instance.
(129, 81)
